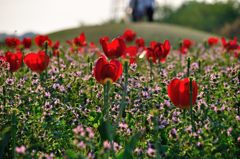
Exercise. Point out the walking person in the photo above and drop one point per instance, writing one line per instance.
(149, 9)
(138, 9)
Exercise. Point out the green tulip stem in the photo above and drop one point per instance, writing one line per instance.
(191, 103)
(106, 99)
(188, 66)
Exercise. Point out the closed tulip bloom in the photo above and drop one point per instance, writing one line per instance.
(113, 49)
(37, 62)
(131, 54)
(212, 41)
(129, 35)
(55, 48)
(14, 60)
(12, 42)
(187, 43)
(140, 42)
(105, 70)
(27, 42)
(41, 39)
(179, 92)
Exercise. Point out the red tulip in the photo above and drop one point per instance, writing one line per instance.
(12, 42)
(179, 92)
(212, 41)
(187, 43)
(37, 62)
(140, 42)
(14, 60)
(150, 55)
(131, 53)
(55, 48)
(27, 42)
(183, 50)
(129, 35)
(80, 40)
(230, 45)
(41, 39)
(113, 49)
(158, 52)
(162, 50)
(107, 71)
(103, 39)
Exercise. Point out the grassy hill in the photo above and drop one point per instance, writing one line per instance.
(149, 31)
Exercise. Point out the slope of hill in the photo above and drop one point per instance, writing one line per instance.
(149, 31)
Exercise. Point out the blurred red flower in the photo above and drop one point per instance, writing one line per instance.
(41, 39)
(103, 39)
(12, 42)
(55, 48)
(37, 62)
(14, 60)
(107, 70)
(27, 42)
(140, 42)
(158, 52)
(131, 54)
(80, 40)
(129, 35)
(230, 45)
(179, 92)
(113, 49)
(212, 41)
(187, 43)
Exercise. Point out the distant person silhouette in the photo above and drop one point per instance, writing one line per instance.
(149, 9)
(138, 9)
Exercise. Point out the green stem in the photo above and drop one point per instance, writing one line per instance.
(160, 68)
(14, 127)
(180, 60)
(156, 138)
(124, 93)
(4, 96)
(46, 52)
(199, 66)
(58, 59)
(191, 104)
(106, 96)
(188, 66)
(151, 70)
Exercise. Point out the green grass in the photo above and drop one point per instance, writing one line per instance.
(149, 31)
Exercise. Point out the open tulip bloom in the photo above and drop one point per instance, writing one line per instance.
(113, 49)
(157, 52)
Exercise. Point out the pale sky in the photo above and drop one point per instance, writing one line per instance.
(44, 16)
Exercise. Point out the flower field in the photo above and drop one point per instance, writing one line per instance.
(120, 98)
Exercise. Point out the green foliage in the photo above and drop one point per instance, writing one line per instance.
(210, 17)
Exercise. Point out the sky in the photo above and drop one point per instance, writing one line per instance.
(45, 16)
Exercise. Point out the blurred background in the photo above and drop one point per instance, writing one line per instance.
(30, 17)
